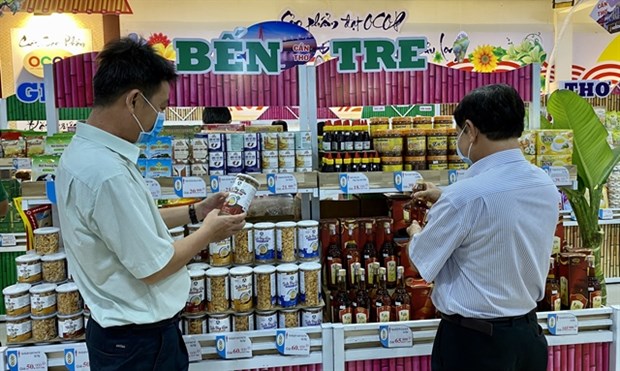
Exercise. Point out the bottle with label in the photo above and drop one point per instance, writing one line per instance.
(342, 312)
(373, 279)
(327, 140)
(552, 300)
(354, 285)
(366, 140)
(334, 261)
(357, 163)
(595, 299)
(337, 142)
(358, 144)
(362, 300)
(376, 163)
(348, 141)
(389, 257)
(382, 304)
(347, 164)
(351, 254)
(328, 163)
(338, 163)
(365, 164)
(401, 298)
(369, 253)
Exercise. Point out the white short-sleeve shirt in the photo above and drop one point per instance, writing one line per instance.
(113, 233)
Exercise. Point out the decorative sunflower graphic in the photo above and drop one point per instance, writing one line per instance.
(162, 45)
(484, 59)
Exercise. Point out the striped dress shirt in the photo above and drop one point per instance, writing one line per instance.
(488, 239)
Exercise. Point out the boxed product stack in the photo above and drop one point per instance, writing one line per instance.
(156, 158)
(613, 188)
(547, 147)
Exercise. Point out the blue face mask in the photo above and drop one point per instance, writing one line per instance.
(144, 136)
(463, 158)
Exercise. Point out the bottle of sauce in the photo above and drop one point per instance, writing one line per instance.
(401, 298)
(362, 300)
(334, 261)
(389, 258)
(351, 254)
(342, 312)
(369, 252)
(365, 165)
(382, 305)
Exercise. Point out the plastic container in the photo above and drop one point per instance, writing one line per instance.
(196, 298)
(198, 266)
(195, 324)
(241, 288)
(220, 253)
(217, 290)
(265, 287)
(452, 137)
(422, 122)
(243, 245)
(241, 195)
(310, 284)
(311, 317)
(437, 142)
(219, 323)
(71, 326)
(288, 285)
(378, 124)
(46, 240)
(264, 243)
(443, 122)
(68, 299)
(286, 241)
(54, 267)
(400, 123)
(415, 163)
(28, 268)
(308, 240)
(17, 299)
(415, 142)
(288, 318)
(389, 143)
(392, 164)
(243, 322)
(177, 233)
(44, 328)
(266, 320)
(18, 329)
(43, 299)
(437, 162)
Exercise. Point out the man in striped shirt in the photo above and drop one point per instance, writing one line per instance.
(487, 242)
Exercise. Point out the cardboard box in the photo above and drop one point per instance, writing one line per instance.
(554, 142)
(527, 141)
(553, 160)
(573, 280)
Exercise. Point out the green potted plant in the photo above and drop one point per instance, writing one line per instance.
(594, 159)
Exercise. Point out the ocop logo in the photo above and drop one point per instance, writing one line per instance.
(34, 61)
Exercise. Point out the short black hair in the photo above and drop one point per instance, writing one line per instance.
(496, 110)
(281, 123)
(216, 115)
(129, 63)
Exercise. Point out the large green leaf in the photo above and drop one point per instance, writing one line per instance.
(591, 152)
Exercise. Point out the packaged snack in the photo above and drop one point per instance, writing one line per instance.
(528, 142)
(13, 144)
(551, 160)
(56, 144)
(554, 142)
(44, 167)
(160, 147)
(35, 143)
(159, 167)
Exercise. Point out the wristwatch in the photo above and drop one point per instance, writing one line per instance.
(192, 214)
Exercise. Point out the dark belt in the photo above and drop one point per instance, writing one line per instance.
(485, 326)
(147, 326)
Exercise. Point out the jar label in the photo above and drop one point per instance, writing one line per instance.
(288, 288)
(242, 291)
(361, 315)
(40, 303)
(437, 143)
(383, 313)
(70, 326)
(241, 194)
(308, 242)
(220, 252)
(219, 324)
(25, 271)
(14, 330)
(402, 312)
(311, 318)
(196, 295)
(345, 315)
(416, 144)
(264, 244)
(14, 303)
(266, 322)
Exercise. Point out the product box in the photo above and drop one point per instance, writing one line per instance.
(269, 141)
(142, 166)
(573, 280)
(216, 142)
(530, 158)
(234, 162)
(286, 141)
(303, 159)
(160, 147)
(180, 149)
(56, 144)
(554, 142)
(286, 159)
(286, 170)
(199, 169)
(552, 160)
(200, 148)
(44, 167)
(252, 161)
(234, 142)
(303, 140)
(158, 167)
(527, 141)
(217, 161)
(271, 171)
(181, 169)
(251, 142)
(270, 162)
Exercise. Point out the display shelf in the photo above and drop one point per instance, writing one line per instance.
(21, 243)
(378, 182)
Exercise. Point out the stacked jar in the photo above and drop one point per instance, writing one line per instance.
(389, 144)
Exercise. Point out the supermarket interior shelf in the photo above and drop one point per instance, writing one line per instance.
(378, 182)
(568, 222)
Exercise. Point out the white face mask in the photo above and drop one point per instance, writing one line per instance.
(463, 158)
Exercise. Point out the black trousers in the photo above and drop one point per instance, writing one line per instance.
(515, 344)
(157, 347)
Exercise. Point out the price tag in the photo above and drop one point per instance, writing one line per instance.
(222, 183)
(50, 191)
(354, 183)
(562, 324)
(77, 359)
(454, 175)
(26, 360)
(405, 180)
(395, 336)
(153, 187)
(22, 163)
(8, 239)
(290, 343)
(559, 175)
(190, 187)
(193, 349)
(233, 346)
(281, 183)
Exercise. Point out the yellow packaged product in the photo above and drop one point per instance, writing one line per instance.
(528, 142)
(554, 142)
(547, 160)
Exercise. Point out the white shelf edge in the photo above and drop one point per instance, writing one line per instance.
(13, 249)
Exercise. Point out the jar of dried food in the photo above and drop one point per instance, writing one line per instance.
(265, 287)
(308, 240)
(44, 328)
(288, 318)
(266, 320)
(243, 245)
(198, 266)
(286, 241)
(452, 137)
(311, 317)
(18, 329)
(46, 240)
(437, 142)
(437, 162)
(389, 143)
(54, 267)
(243, 322)
(220, 253)
(264, 243)
(178, 233)
(217, 290)
(196, 299)
(241, 195)
(43, 299)
(17, 299)
(422, 122)
(241, 287)
(414, 163)
(443, 122)
(392, 164)
(415, 142)
(288, 285)
(455, 163)
(71, 326)
(219, 323)
(69, 300)
(310, 284)
(28, 268)
(378, 124)
(195, 324)
(399, 123)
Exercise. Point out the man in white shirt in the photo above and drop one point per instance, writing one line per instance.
(487, 242)
(129, 270)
